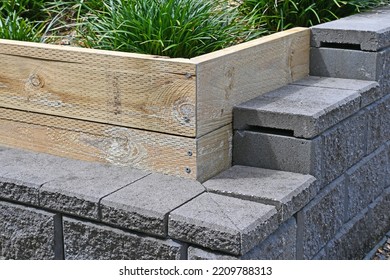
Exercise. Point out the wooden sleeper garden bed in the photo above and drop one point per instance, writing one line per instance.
(155, 113)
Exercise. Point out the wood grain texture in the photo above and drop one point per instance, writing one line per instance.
(84, 140)
(185, 157)
(171, 116)
(214, 152)
(234, 75)
(138, 91)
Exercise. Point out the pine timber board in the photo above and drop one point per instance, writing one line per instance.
(191, 158)
(132, 90)
(188, 97)
(171, 116)
(234, 75)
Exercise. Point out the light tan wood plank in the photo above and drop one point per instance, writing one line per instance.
(95, 142)
(231, 76)
(139, 91)
(214, 153)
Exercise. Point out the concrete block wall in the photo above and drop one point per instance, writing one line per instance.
(334, 125)
(311, 178)
(55, 208)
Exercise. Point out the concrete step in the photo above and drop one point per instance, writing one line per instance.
(232, 213)
(369, 31)
(355, 47)
(318, 126)
(307, 107)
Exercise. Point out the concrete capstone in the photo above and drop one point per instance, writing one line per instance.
(287, 191)
(307, 110)
(369, 31)
(145, 204)
(223, 223)
(80, 192)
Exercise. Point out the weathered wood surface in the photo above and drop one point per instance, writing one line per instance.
(164, 115)
(189, 97)
(84, 140)
(139, 91)
(234, 75)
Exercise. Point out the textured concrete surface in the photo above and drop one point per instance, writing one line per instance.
(343, 146)
(223, 223)
(306, 110)
(88, 241)
(370, 31)
(347, 64)
(80, 192)
(322, 218)
(280, 245)
(22, 173)
(203, 255)
(387, 182)
(289, 192)
(369, 91)
(378, 117)
(278, 152)
(145, 205)
(379, 214)
(366, 181)
(362, 233)
(26, 233)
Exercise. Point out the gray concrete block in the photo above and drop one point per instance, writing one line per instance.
(347, 64)
(223, 223)
(320, 256)
(145, 205)
(369, 90)
(343, 146)
(379, 215)
(363, 232)
(22, 174)
(322, 218)
(88, 241)
(306, 110)
(289, 192)
(378, 118)
(352, 64)
(369, 31)
(353, 241)
(277, 152)
(366, 181)
(36, 168)
(280, 245)
(387, 146)
(203, 255)
(79, 192)
(26, 233)
(13, 189)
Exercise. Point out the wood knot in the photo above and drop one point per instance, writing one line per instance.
(35, 81)
(184, 112)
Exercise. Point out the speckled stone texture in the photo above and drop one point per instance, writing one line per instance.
(26, 233)
(89, 241)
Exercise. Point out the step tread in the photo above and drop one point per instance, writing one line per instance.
(306, 107)
(369, 31)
